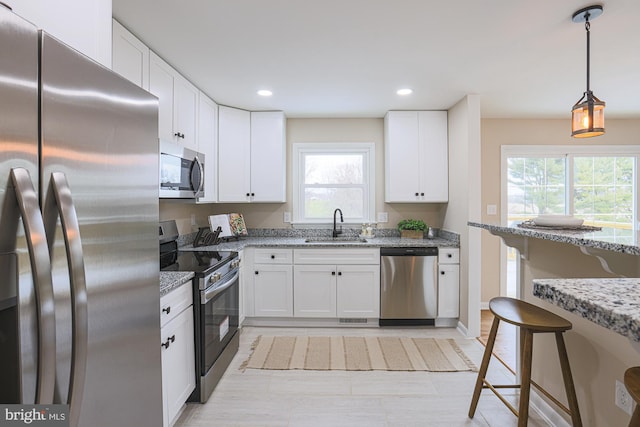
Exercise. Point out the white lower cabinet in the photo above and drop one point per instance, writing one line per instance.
(178, 352)
(358, 291)
(448, 283)
(273, 290)
(314, 293)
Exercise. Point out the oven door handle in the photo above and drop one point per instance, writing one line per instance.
(208, 295)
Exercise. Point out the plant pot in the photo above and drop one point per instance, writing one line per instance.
(412, 234)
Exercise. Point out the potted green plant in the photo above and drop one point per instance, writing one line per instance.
(412, 228)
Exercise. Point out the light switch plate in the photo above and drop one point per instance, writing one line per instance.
(383, 217)
(492, 210)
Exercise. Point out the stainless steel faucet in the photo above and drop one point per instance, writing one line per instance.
(335, 230)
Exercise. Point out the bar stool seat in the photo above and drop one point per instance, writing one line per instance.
(632, 383)
(530, 319)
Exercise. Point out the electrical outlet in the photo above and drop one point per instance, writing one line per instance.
(623, 399)
(383, 217)
(287, 217)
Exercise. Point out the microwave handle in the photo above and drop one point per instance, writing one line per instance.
(197, 184)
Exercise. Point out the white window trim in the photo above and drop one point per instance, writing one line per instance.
(507, 151)
(302, 148)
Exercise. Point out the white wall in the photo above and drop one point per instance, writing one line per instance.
(464, 204)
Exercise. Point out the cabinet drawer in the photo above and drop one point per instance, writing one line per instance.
(273, 256)
(337, 256)
(448, 256)
(175, 302)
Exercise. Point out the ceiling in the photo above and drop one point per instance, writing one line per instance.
(347, 58)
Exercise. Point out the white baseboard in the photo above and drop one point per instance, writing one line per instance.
(546, 411)
(463, 330)
(484, 305)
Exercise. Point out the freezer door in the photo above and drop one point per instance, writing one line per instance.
(100, 132)
(18, 149)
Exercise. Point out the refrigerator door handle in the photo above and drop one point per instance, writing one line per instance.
(21, 200)
(59, 202)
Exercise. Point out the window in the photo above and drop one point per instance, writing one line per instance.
(327, 176)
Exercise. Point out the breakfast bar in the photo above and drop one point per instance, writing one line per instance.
(592, 279)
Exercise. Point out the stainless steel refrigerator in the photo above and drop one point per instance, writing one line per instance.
(79, 291)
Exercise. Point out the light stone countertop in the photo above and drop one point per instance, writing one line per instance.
(299, 242)
(169, 280)
(611, 303)
(590, 239)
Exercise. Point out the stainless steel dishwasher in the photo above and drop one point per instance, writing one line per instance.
(408, 286)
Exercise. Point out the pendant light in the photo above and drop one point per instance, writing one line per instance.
(587, 115)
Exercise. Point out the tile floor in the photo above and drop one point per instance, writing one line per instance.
(349, 398)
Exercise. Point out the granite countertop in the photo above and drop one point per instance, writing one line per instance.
(299, 242)
(592, 239)
(169, 280)
(611, 303)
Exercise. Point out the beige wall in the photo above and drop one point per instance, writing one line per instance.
(498, 132)
(270, 215)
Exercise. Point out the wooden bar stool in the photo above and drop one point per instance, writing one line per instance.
(530, 319)
(632, 383)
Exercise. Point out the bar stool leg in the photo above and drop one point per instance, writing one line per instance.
(484, 366)
(525, 377)
(635, 419)
(568, 381)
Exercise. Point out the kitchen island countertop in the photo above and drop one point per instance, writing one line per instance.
(612, 303)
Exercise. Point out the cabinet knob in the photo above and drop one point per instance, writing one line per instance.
(179, 135)
(333, 273)
(417, 194)
(167, 310)
(339, 273)
(273, 257)
(442, 272)
(253, 194)
(449, 255)
(422, 194)
(248, 194)
(256, 272)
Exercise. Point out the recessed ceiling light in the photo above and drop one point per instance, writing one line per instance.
(265, 92)
(406, 91)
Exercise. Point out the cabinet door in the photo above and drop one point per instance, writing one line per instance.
(314, 292)
(433, 146)
(268, 157)
(130, 56)
(185, 98)
(178, 363)
(449, 290)
(161, 85)
(273, 290)
(358, 291)
(208, 145)
(402, 157)
(234, 161)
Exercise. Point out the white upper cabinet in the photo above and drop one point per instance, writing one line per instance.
(178, 103)
(208, 145)
(416, 157)
(130, 56)
(252, 153)
(234, 151)
(85, 25)
(268, 156)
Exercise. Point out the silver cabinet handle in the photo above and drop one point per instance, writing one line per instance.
(60, 203)
(21, 200)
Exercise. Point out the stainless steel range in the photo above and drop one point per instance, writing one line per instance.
(216, 306)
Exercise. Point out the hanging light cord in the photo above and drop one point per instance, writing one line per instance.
(587, 27)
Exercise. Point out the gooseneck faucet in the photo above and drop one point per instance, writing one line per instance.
(335, 230)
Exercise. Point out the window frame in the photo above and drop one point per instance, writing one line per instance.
(301, 149)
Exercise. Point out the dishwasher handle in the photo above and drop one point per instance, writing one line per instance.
(409, 251)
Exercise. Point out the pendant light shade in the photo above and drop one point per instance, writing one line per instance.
(587, 115)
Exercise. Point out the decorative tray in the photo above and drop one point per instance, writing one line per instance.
(530, 224)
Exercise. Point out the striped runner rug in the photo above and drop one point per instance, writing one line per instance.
(358, 354)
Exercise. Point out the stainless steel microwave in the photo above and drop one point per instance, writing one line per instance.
(181, 172)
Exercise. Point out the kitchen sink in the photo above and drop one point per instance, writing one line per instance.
(339, 239)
